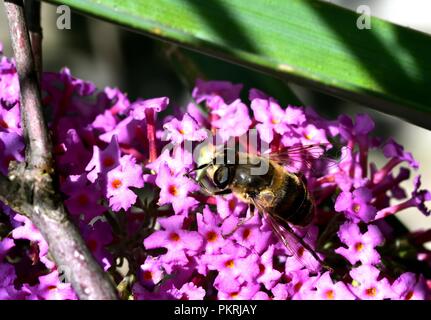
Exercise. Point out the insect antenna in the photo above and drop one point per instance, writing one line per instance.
(202, 166)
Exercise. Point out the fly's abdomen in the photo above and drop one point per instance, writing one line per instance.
(295, 205)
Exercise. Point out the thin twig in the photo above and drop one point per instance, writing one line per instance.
(29, 189)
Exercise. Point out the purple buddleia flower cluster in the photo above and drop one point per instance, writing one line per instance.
(181, 243)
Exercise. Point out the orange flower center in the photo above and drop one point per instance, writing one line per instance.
(174, 237)
(275, 121)
(147, 275)
(330, 294)
(356, 207)
(231, 204)
(246, 234)
(108, 162)
(211, 236)
(229, 264)
(330, 179)
(308, 136)
(409, 295)
(234, 294)
(297, 286)
(3, 124)
(359, 246)
(301, 251)
(181, 131)
(371, 292)
(116, 183)
(172, 189)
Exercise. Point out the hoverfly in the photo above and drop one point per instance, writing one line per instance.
(280, 194)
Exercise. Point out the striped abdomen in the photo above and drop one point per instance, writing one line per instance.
(293, 203)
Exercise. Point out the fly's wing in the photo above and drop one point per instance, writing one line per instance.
(293, 245)
(291, 241)
(314, 157)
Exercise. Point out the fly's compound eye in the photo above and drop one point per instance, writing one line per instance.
(222, 177)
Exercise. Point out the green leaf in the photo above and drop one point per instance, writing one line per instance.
(190, 66)
(312, 43)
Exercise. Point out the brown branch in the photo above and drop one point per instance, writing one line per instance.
(30, 190)
(32, 13)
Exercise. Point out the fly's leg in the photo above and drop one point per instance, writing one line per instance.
(221, 192)
(241, 222)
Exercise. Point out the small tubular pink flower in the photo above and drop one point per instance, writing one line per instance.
(10, 119)
(360, 247)
(245, 292)
(104, 122)
(157, 104)
(366, 286)
(310, 134)
(9, 84)
(249, 235)
(395, 151)
(151, 272)
(215, 92)
(417, 200)
(179, 162)
(326, 289)
(420, 196)
(120, 179)
(358, 130)
(78, 86)
(97, 237)
(73, 159)
(268, 276)
(233, 266)
(103, 160)
(118, 101)
(141, 293)
(233, 120)
(229, 205)
(186, 129)
(209, 228)
(11, 149)
(300, 284)
(83, 199)
(271, 117)
(356, 205)
(179, 243)
(50, 288)
(7, 278)
(5, 245)
(27, 230)
(175, 189)
(196, 113)
(408, 287)
(294, 116)
(189, 291)
(128, 132)
(280, 291)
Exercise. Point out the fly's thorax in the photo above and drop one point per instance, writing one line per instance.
(245, 178)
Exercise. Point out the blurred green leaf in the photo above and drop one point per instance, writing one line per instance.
(312, 43)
